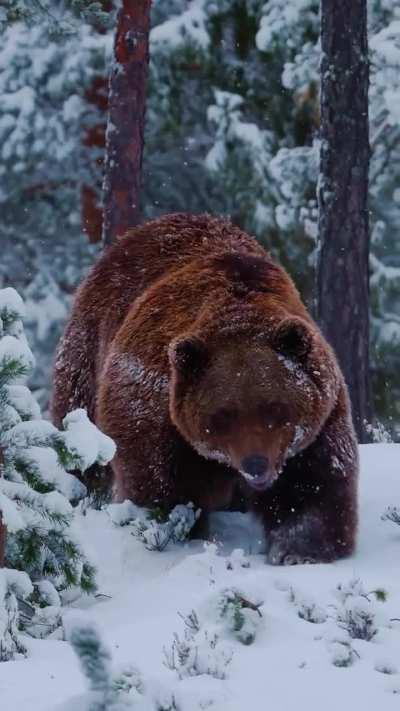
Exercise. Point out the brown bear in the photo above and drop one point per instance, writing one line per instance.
(191, 348)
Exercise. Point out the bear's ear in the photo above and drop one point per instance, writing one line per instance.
(188, 355)
(292, 339)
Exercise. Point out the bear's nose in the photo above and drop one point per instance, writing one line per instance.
(256, 465)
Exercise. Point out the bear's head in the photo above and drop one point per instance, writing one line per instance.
(252, 403)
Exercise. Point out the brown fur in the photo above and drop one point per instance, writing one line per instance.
(192, 349)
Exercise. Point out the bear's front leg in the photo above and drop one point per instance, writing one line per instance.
(310, 514)
(132, 408)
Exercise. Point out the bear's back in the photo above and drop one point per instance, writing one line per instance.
(147, 253)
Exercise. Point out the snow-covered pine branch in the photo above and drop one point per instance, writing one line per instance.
(14, 585)
(153, 530)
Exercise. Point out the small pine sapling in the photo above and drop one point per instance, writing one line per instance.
(111, 690)
(199, 651)
(307, 609)
(385, 667)
(379, 433)
(36, 483)
(342, 653)
(106, 691)
(154, 529)
(95, 660)
(357, 619)
(241, 616)
(392, 513)
(156, 535)
(355, 613)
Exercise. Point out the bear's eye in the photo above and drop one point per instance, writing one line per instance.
(222, 421)
(274, 414)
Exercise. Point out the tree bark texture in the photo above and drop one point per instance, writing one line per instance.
(342, 273)
(95, 138)
(91, 209)
(3, 535)
(125, 129)
(3, 530)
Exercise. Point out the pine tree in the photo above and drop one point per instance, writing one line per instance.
(36, 486)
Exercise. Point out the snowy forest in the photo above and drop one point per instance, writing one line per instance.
(114, 112)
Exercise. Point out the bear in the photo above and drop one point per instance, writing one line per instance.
(190, 347)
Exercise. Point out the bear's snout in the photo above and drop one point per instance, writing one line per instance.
(255, 465)
(257, 471)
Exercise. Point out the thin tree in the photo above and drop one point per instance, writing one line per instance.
(95, 138)
(125, 129)
(3, 530)
(342, 274)
(3, 536)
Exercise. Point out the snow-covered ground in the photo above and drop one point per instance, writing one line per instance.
(292, 663)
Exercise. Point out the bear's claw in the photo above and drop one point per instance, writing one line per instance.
(290, 559)
(301, 542)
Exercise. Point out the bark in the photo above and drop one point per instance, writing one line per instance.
(3, 530)
(3, 535)
(92, 212)
(95, 137)
(342, 275)
(125, 130)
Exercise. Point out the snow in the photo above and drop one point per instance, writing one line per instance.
(10, 515)
(11, 304)
(28, 434)
(46, 462)
(121, 514)
(13, 349)
(175, 32)
(280, 17)
(84, 439)
(385, 48)
(21, 398)
(16, 581)
(23, 507)
(303, 655)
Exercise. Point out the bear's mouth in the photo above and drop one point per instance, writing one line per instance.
(262, 482)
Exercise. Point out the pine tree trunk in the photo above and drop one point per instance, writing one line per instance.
(125, 130)
(3, 535)
(95, 137)
(3, 530)
(342, 289)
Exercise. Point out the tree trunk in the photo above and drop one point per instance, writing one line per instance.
(3, 535)
(125, 130)
(91, 209)
(95, 137)
(342, 288)
(3, 530)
